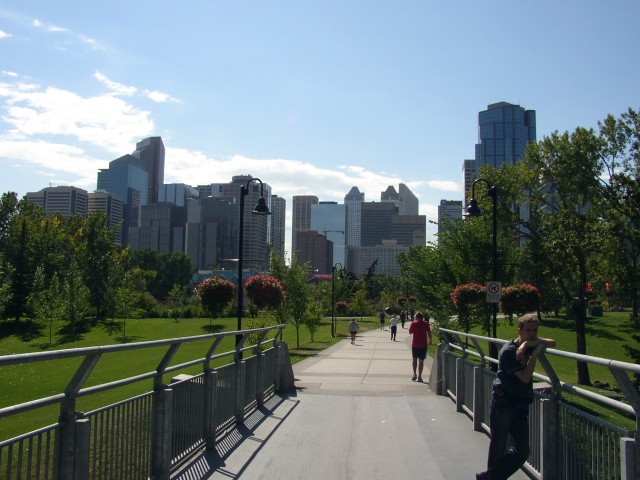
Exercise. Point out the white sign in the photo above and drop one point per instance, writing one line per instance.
(494, 292)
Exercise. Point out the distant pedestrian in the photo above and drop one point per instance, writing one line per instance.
(403, 318)
(511, 395)
(353, 329)
(393, 323)
(382, 320)
(421, 331)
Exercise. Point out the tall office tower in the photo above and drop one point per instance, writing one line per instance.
(409, 230)
(390, 195)
(279, 213)
(376, 222)
(315, 249)
(353, 202)
(385, 257)
(127, 178)
(177, 193)
(111, 205)
(328, 219)
(65, 200)
(468, 176)
(257, 228)
(210, 238)
(504, 130)
(407, 202)
(448, 211)
(161, 228)
(150, 152)
(301, 217)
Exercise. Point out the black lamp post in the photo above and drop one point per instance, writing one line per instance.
(260, 209)
(333, 302)
(473, 210)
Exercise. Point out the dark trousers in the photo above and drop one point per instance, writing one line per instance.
(394, 330)
(508, 417)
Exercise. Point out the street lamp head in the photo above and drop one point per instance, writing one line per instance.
(473, 210)
(261, 208)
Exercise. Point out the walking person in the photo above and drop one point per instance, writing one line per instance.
(510, 398)
(421, 331)
(393, 323)
(353, 329)
(403, 318)
(382, 320)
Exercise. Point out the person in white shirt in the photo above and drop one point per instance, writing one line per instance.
(393, 323)
(353, 329)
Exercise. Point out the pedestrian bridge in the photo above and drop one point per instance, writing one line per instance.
(354, 414)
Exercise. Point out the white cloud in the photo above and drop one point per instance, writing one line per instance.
(104, 120)
(9, 74)
(4, 34)
(36, 23)
(159, 97)
(115, 87)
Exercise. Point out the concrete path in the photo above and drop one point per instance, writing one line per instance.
(356, 415)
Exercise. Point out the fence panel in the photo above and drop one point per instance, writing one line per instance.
(225, 396)
(187, 433)
(121, 439)
(30, 455)
(250, 383)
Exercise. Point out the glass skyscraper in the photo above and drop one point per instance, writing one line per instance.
(504, 130)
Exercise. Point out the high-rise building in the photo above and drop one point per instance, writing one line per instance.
(468, 176)
(390, 195)
(376, 222)
(177, 193)
(301, 217)
(210, 238)
(407, 202)
(408, 230)
(257, 228)
(111, 205)
(315, 249)
(150, 152)
(448, 211)
(161, 228)
(504, 130)
(385, 257)
(353, 202)
(67, 201)
(328, 219)
(278, 218)
(127, 178)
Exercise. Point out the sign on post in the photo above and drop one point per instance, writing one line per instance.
(494, 291)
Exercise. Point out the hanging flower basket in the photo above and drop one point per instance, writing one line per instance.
(341, 307)
(264, 291)
(468, 294)
(215, 294)
(519, 299)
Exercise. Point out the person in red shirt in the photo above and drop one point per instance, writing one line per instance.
(421, 332)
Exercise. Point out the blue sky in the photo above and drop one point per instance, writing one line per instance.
(311, 97)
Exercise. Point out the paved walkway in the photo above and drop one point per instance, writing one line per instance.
(356, 415)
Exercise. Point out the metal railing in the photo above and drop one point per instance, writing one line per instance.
(566, 442)
(149, 435)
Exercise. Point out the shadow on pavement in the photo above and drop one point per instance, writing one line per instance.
(209, 462)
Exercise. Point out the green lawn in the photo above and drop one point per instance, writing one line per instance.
(22, 383)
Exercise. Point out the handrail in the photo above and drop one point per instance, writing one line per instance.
(92, 356)
(619, 369)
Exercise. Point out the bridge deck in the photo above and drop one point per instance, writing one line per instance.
(356, 415)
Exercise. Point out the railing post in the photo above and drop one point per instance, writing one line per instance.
(83, 437)
(284, 380)
(65, 441)
(260, 370)
(161, 434)
(210, 398)
(459, 384)
(442, 385)
(240, 379)
(629, 458)
(478, 398)
(550, 438)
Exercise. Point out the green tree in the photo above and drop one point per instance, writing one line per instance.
(45, 303)
(360, 302)
(76, 302)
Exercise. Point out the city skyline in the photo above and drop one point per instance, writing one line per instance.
(312, 99)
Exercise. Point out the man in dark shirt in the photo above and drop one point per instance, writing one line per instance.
(512, 393)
